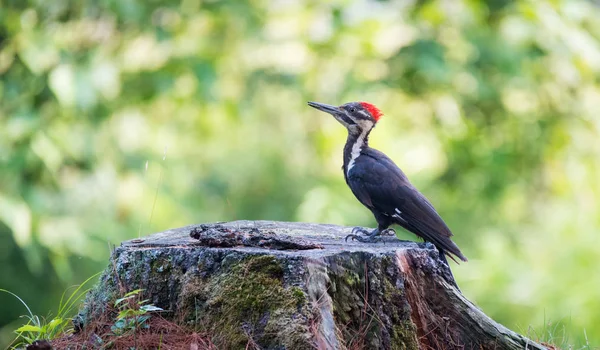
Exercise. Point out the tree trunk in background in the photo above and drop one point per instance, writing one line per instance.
(279, 285)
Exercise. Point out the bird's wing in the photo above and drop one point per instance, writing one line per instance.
(380, 185)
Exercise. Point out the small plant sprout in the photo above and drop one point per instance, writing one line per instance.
(133, 313)
(38, 328)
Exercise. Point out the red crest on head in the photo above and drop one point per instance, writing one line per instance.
(374, 111)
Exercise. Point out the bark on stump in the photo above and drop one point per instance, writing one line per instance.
(281, 285)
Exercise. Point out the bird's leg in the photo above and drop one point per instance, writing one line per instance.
(383, 224)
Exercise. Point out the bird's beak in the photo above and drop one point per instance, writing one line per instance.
(336, 112)
(325, 107)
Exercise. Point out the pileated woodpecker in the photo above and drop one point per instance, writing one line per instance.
(381, 186)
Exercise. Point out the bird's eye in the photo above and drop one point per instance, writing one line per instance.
(352, 110)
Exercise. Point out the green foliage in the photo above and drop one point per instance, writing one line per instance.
(557, 334)
(133, 313)
(491, 109)
(38, 328)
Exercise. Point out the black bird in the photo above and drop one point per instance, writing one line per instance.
(381, 186)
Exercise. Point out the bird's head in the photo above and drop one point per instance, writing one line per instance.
(355, 116)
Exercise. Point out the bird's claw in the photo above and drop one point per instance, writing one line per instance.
(359, 230)
(364, 239)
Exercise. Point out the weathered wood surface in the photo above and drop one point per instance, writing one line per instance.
(281, 285)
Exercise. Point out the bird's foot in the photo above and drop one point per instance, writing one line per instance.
(388, 232)
(364, 236)
(365, 239)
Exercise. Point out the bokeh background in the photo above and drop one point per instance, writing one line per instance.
(120, 118)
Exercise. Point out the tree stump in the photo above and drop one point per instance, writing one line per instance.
(282, 285)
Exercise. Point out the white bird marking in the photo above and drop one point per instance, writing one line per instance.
(364, 113)
(397, 216)
(356, 149)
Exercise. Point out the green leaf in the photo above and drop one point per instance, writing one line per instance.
(133, 292)
(151, 308)
(119, 301)
(56, 322)
(29, 328)
(126, 313)
(141, 321)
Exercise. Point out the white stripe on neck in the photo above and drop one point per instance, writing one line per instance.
(356, 149)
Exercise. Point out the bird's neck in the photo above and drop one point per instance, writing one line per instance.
(355, 143)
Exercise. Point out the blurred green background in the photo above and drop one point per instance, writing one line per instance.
(127, 117)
